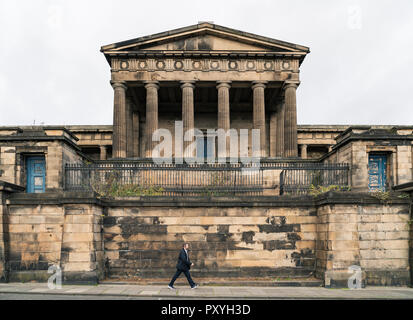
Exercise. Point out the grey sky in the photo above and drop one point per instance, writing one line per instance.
(358, 72)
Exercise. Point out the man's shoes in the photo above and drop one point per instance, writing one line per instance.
(194, 286)
(171, 287)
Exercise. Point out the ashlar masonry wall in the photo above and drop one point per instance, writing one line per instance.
(91, 239)
(226, 239)
(374, 236)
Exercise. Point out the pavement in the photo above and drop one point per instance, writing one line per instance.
(162, 292)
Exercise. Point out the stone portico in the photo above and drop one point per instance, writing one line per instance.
(208, 77)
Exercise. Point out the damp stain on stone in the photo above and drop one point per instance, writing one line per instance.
(109, 221)
(304, 258)
(272, 245)
(133, 225)
(248, 237)
(269, 228)
(293, 236)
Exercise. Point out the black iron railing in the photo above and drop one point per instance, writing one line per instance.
(147, 178)
(301, 180)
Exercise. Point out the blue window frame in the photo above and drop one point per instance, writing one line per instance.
(377, 172)
(36, 174)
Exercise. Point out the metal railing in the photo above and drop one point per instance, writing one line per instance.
(146, 178)
(300, 180)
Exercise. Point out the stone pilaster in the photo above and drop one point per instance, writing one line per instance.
(187, 111)
(280, 131)
(129, 127)
(151, 115)
(303, 151)
(224, 111)
(290, 123)
(273, 134)
(3, 247)
(136, 137)
(119, 120)
(103, 152)
(259, 113)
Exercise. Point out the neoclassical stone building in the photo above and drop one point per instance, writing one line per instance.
(91, 200)
(209, 77)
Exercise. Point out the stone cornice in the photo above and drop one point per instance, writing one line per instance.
(40, 138)
(10, 187)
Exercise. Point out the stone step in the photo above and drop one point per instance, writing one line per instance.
(298, 282)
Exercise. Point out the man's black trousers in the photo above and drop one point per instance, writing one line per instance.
(187, 275)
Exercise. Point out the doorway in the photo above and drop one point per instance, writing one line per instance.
(377, 172)
(36, 174)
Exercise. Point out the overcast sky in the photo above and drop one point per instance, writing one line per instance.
(358, 72)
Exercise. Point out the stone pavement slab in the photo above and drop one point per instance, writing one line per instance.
(213, 292)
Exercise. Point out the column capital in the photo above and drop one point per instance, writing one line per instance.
(290, 85)
(223, 84)
(188, 84)
(119, 84)
(259, 84)
(151, 84)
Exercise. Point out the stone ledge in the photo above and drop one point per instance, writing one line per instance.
(66, 197)
(10, 187)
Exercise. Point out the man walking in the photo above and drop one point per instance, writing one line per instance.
(184, 264)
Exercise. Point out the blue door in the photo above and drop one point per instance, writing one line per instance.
(36, 174)
(377, 172)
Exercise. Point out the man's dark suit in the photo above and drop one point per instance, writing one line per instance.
(183, 265)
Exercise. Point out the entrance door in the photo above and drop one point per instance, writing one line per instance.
(377, 172)
(36, 174)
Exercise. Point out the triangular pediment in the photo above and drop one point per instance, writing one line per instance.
(205, 42)
(205, 37)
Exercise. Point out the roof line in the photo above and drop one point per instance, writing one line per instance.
(200, 26)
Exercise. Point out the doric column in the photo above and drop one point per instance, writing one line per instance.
(303, 151)
(187, 110)
(151, 115)
(273, 134)
(223, 112)
(290, 123)
(280, 130)
(135, 125)
(129, 127)
(119, 120)
(103, 152)
(259, 112)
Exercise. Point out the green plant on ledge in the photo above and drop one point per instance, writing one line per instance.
(133, 190)
(383, 196)
(111, 188)
(318, 190)
(403, 196)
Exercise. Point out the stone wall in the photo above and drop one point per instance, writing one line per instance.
(50, 230)
(236, 241)
(251, 236)
(374, 236)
